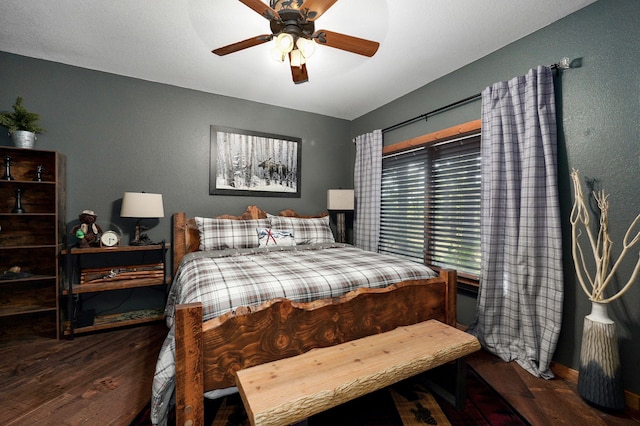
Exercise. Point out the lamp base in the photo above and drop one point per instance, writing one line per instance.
(139, 238)
(142, 241)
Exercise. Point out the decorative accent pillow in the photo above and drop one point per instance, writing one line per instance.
(269, 237)
(220, 234)
(306, 230)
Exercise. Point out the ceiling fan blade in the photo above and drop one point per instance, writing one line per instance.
(261, 8)
(244, 44)
(313, 9)
(346, 42)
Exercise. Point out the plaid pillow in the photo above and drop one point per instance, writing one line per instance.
(269, 237)
(307, 231)
(220, 234)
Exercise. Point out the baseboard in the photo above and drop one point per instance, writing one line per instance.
(632, 400)
(564, 372)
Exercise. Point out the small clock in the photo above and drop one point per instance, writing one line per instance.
(109, 239)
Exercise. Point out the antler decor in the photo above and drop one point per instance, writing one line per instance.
(600, 245)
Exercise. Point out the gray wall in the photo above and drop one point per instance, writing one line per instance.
(599, 128)
(122, 134)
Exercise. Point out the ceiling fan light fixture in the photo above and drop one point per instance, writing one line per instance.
(292, 25)
(277, 55)
(297, 58)
(306, 46)
(284, 42)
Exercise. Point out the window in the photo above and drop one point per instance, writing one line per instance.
(431, 204)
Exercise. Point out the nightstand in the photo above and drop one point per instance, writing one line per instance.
(94, 270)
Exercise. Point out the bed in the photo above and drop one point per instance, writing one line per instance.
(256, 278)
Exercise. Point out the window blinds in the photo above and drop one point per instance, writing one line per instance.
(431, 204)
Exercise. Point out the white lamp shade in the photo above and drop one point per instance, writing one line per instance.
(296, 58)
(277, 55)
(306, 47)
(340, 199)
(142, 204)
(284, 42)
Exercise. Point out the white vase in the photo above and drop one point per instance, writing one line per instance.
(600, 376)
(23, 139)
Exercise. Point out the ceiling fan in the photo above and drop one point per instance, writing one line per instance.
(293, 26)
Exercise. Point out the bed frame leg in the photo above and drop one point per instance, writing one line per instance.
(189, 365)
(451, 278)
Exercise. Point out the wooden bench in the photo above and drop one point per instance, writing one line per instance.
(290, 390)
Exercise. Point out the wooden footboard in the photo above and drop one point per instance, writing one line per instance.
(208, 354)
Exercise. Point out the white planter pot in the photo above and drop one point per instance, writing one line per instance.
(23, 139)
(600, 377)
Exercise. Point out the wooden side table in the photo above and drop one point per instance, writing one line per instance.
(120, 268)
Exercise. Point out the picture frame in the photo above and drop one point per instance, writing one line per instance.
(245, 162)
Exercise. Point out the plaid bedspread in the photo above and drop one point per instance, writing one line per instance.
(225, 280)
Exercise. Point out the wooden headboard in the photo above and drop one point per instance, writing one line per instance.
(186, 238)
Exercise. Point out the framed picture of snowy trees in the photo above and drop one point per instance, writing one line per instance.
(245, 162)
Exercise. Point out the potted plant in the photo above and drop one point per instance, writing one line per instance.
(600, 376)
(22, 125)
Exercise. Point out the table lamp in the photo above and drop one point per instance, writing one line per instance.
(141, 205)
(340, 200)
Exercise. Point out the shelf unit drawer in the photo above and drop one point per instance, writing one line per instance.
(27, 229)
(27, 296)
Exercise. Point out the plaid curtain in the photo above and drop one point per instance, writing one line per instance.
(367, 187)
(519, 307)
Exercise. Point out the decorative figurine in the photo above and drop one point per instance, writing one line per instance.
(7, 168)
(88, 230)
(14, 273)
(18, 207)
(39, 171)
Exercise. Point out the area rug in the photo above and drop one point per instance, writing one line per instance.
(408, 403)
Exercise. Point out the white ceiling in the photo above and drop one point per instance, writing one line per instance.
(170, 41)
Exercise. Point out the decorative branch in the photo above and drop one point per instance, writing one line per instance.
(601, 245)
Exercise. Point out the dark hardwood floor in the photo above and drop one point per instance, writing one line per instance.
(540, 401)
(105, 379)
(97, 379)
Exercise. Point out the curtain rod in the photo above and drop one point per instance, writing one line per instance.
(563, 64)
